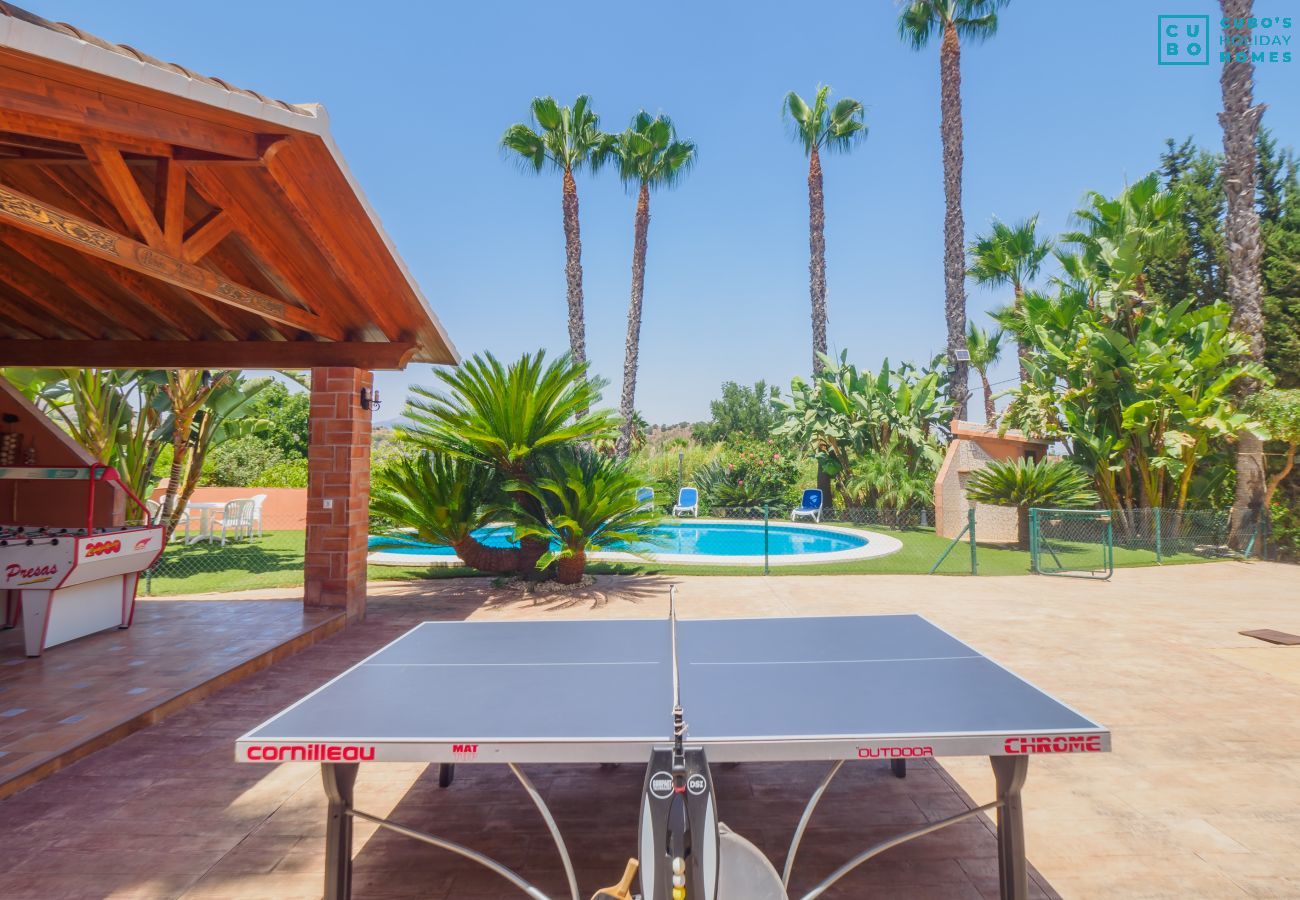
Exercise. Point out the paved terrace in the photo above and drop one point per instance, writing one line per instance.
(1200, 798)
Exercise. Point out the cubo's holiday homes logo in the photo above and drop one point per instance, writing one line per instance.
(1183, 40)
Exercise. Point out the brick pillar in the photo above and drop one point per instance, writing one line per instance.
(338, 491)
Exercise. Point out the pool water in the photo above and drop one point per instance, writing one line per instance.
(685, 538)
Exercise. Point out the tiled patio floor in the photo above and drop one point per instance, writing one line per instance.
(1201, 797)
(86, 693)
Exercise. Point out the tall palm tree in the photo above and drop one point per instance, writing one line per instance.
(954, 21)
(1009, 254)
(649, 156)
(1240, 123)
(831, 128)
(564, 139)
(985, 350)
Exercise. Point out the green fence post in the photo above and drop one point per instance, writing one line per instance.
(766, 570)
(974, 558)
(1033, 539)
(1159, 537)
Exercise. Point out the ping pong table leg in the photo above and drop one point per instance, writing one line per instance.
(339, 779)
(1010, 772)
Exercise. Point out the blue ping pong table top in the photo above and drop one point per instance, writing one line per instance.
(601, 691)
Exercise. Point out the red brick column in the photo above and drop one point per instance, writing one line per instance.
(338, 491)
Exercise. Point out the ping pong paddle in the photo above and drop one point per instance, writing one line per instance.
(622, 890)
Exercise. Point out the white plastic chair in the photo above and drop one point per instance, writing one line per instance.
(236, 522)
(645, 498)
(258, 500)
(688, 501)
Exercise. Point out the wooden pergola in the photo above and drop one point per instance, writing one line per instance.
(154, 218)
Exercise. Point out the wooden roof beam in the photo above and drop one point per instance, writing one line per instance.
(124, 191)
(29, 214)
(67, 112)
(257, 233)
(50, 304)
(206, 354)
(159, 322)
(205, 235)
(157, 298)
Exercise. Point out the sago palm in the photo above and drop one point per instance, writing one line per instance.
(1022, 483)
(445, 500)
(954, 21)
(509, 418)
(985, 350)
(1009, 255)
(819, 127)
(650, 156)
(588, 500)
(563, 139)
(504, 416)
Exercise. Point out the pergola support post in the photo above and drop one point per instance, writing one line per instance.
(338, 491)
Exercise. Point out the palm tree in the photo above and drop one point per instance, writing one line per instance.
(1009, 254)
(955, 21)
(564, 139)
(1240, 122)
(985, 350)
(821, 127)
(649, 156)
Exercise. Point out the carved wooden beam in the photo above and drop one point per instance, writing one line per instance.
(29, 214)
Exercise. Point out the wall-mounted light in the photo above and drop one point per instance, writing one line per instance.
(370, 399)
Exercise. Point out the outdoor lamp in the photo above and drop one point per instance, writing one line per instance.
(370, 399)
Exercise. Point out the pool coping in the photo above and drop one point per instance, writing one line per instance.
(877, 545)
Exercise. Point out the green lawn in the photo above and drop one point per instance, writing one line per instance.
(276, 560)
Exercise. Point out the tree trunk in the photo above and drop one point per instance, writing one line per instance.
(1240, 123)
(817, 258)
(1022, 351)
(1288, 463)
(990, 412)
(954, 229)
(171, 510)
(627, 405)
(501, 560)
(817, 283)
(570, 568)
(573, 269)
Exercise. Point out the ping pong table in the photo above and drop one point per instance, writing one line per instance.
(837, 689)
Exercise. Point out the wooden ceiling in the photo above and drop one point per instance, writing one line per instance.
(140, 227)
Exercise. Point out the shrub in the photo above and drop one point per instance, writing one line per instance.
(289, 473)
(238, 462)
(750, 475)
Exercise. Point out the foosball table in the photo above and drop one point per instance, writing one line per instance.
(65, 583)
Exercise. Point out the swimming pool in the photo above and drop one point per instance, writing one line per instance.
(682, 542)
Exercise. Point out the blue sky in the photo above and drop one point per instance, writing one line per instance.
(1067, 97)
